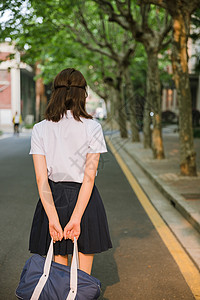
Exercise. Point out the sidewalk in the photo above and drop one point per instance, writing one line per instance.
(182, 191)
(7, 131)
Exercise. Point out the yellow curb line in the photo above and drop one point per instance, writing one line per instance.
(185, 264)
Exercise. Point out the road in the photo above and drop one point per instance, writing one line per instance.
(139, 267)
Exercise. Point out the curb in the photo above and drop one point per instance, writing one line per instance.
(5, 136)
(175, 199)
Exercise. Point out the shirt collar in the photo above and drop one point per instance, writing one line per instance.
(68, 114)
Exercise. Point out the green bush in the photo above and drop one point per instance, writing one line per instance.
(1, 132)
(29, 126)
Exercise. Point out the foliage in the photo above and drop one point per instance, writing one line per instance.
(138, 71)
(45, 32)
(40, 28)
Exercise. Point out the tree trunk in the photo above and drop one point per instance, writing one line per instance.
(41, 99)
(146, 126)
(154, 99)
(118, 107)
(131, 105)
(110, 111)
(121, 114)
(181, 25)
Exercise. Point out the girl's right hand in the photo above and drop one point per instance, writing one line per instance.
(72, 229)
(55, 231)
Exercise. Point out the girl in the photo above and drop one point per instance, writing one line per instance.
(66, 148)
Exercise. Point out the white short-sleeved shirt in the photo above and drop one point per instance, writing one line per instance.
(65, 145)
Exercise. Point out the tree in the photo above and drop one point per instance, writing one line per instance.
(181, 12)
(152, 35)
(96, 39)
(94, 36)
(91, 34)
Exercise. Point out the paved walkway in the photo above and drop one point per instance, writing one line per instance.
(182, 191)
(139, 267)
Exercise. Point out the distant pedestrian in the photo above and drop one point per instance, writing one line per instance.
(16, 122)
(66, 148)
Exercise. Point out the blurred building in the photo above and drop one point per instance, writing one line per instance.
(17, 87)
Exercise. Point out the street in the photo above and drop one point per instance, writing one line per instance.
(139, 267)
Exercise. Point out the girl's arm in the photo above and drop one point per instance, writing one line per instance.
(73, 227)
(44, 190)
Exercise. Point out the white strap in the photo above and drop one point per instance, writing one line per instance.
(43, 279)
(73, 273)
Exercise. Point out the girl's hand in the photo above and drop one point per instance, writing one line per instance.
(72, 229)
(55, 231)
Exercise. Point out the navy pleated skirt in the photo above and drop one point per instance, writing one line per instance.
(94, 236)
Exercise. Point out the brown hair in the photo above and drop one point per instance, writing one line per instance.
(68, 92)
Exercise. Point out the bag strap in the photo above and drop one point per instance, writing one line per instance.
(43, 279)
(47, 265)
(73, 273)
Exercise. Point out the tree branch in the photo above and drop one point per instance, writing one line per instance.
(113, 16)
(130, 52)
(105, 43)
(120, 59)
(88, 45)
(84, 23)
(120, 6)
(173, 6)
(125, 20)
(157, 18)
(160, 3)
(106, 3)
(165, 44)
(129, 6)
(104, 36)
(165, 30)
(144, 10)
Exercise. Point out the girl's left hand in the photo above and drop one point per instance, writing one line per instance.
(55, 231)
(72, 229)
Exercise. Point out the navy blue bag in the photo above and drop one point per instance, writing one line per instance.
(44, 279)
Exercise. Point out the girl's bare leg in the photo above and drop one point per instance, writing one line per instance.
(85, 262)
(61, 259)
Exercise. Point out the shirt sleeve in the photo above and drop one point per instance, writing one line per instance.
(36, 143)
(97, 142)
